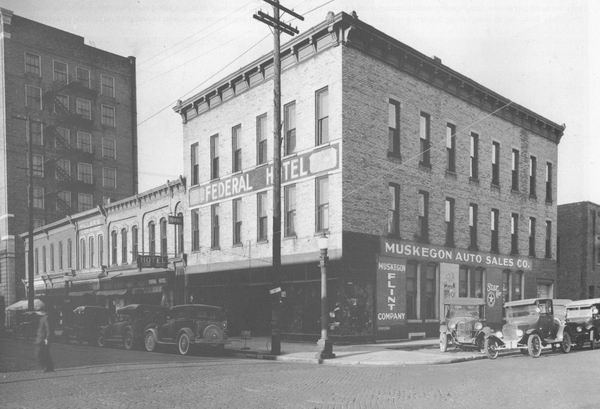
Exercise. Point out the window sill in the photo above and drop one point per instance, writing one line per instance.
(549, 202)
(475, 181)
(425, 166)
(262, 241)
(533, 197)
(515, 191)
(237, 245)
(319, 233)
(394, 155)
(473, 248)
(218, 248)
(290, 237)
(394, 236)
(451, 173)
(494, 186)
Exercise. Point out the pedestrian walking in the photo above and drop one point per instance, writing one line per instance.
(44, 335)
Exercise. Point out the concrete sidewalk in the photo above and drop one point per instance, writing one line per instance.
(421, 352)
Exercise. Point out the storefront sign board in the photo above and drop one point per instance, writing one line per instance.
(391, 294)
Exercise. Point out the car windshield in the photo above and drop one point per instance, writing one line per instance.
(522, 311)
(209, 314)
(579, 312)
(468, 311)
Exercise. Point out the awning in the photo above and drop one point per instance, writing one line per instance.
(112, 292)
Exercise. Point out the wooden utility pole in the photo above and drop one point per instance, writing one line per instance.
(30, 290)
(278, 27)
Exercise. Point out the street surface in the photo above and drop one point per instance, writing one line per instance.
(91, 377)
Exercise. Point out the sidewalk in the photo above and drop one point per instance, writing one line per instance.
(419, 352)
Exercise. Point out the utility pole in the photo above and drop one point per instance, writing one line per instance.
(278, 27)
(30, 290)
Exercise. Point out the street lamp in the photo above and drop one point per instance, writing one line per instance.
(326, 345)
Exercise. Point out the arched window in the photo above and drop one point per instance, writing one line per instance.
(82, 253)
(151, 239)
(180, 234)
(100, 250)
(44, 270)
(51, 257)
(113, 247)
(69, 253)
(123, 246)
(134, 242)
(91, 243)
(163, 237)
(36, 255)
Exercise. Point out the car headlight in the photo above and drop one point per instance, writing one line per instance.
(594, 310)
(578, 329)
(478, 326)
(453, 325)
(499, 334)
(519, 332)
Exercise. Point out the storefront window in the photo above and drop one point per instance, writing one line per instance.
(428, 309)
(463, 282)
(477, 283)
(505, 286)
(411, 290)
(517, 285)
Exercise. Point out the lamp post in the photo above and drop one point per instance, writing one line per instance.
(326, 345)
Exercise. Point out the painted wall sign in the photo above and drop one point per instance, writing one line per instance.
(293, 168)
(391, 300)
(493, 293)
(404, 249)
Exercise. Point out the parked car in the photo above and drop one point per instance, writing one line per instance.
(187, 325)
(530, 325)
(85, 323)
(583, 321)
(560, 308)
(128, 326)
(464, 324)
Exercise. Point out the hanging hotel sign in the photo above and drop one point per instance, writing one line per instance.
(175, 219)
(391, 292)
(293, 168)
(397, 248)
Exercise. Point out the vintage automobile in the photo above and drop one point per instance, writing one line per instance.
(530, 326)
(583, 321)
(129, 325)
(464, 324)
(85, 323)
(187, 325)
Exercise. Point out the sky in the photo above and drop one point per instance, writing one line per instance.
(542, 54)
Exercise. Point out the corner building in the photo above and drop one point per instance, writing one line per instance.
(428, 185)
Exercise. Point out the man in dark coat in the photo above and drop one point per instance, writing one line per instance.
(43, 339)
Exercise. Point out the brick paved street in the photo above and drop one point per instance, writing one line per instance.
(89, 377)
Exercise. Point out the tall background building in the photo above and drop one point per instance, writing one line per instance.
(78, 104)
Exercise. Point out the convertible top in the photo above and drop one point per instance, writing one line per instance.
(464, 301)
(528, 301)
(584, 303)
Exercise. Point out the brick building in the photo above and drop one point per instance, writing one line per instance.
(578, 250)
(78, 104)
(429, 186)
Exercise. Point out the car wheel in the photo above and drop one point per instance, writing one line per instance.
(128, 340)
(592, 339)
(100, 341)
(480, 342)
(565, 345)
(443, 341)
(149, 342)
(183, 344)
(534, 346)
(491, 348)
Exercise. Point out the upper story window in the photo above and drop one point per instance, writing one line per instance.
(532, 176)
(236, 148)
(425, 137)
(33, 64)
(60, 255)
(107, 85)
(163, 237)
(494, 216)
(62, 138)
(393, 222)
(474, 157)
(37, 132)
(322, 111)
(61, 104)
(113, 247)
(194, 171)
(33, 97)
(289, 127)
(237, 220)
(83, 76)
(548, 252)
(36, 259)
(215, 227)
(61, 71)
(496, 163)
(91, 251)
(83, 107)
(63, 201)
(449, 218)
(84, 141)
(289, 193)
(107, 117)
(85, 201)
(82, 261)
(473, 227)
(134, 242)
(109, 178)
(195, 229)
(179, 246)
(109, 148)
(451, 147)
(423, 217)
(123, 246)
(262, 219)
(548, 182)
(100, 250)
(214, 156)
(514, 233)
(261, 139)
(532, 236)
(38, 165)
(394, 127)
(84, 172)
(62, 169)
(151, 238)
(69, 253)
(38, 197)
(515, 169)
(322, 203)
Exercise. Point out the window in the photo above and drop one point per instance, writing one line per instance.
(69, 253)
(515, 169)
(51, 257)
(109, 178)
(195, 230)
(473, 227)
(289, 127)
(322, 111)
(548, 182)
(91, 252)
(38, 197)
(423, 217)
(109, 148)
(548, 252)
(494, 215)
(37, 134)
(496, 163)
(236, 148)
(214, 156)
(60, 255)
(163, 237)
(82, 263)
(214, 224)
(289, 198)
(107, 85)
(107, 116)
(36, 256)
(84, 173)
(261, 211)
(514, 233)
(532, 236)
(470, 282)
(428, 289)
(33, 64)
(393, 222)
(449, 218)
(476, 279)
(134, 242)
(62, 169)
(85, 201)
(151, 238)
(394, 127)
(62, 138)
(38, 165)
(424, 136)
(179, 228)
(237, 221)
(83, 107)
(45, 267)
(113, 247)
(100, 250)
(83, 76)
(84, 141)
(123, 246)
(411, 290)
(474, 155)
(61, 72)
(194, 163)
(61, 104)
(517, 286)
(261, 139)
(33, 97)
(463, 282)
(451, 147)
(322, 201)
(532, 176)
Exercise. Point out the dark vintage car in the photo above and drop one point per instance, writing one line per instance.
(464, 324)
(85, 323)
(128, 326)
(530, 326)
(187, 325)
(583, 321)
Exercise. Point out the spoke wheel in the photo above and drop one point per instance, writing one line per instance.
(101, 341)
(565, 345)
(443, 342)
(183, 344)
(593, 339)
(491, 348)
(128, 339)
(149, 342)
(534, 346)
